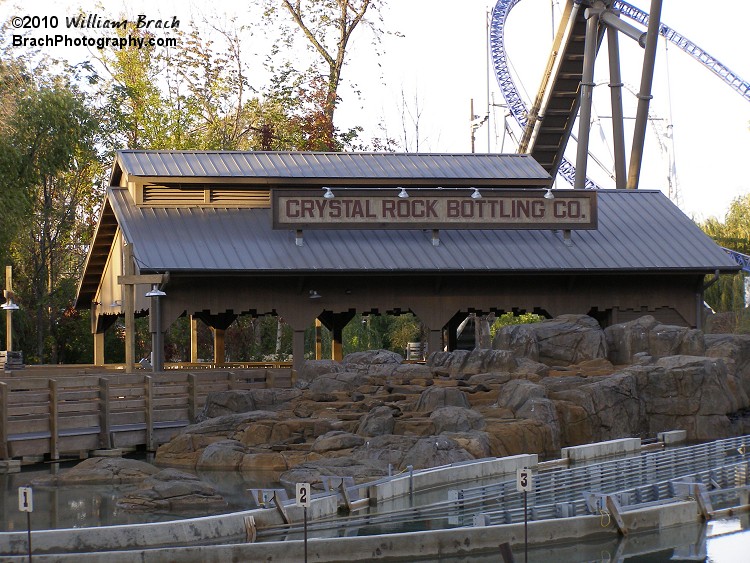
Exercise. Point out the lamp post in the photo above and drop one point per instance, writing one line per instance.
(9, 306)
(157, 344)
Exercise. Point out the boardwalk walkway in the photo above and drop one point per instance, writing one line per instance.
(56, 412)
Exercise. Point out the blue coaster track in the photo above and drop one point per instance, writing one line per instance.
(519, 110)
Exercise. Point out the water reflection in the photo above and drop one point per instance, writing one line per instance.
(83, 506)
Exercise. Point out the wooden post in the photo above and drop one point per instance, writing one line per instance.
(219, 351)
(4, 453)
(614, 510)
(8, 312)
(298, 349)
(128, 306)
(54, 421)
(192, 397)
(193, 340)
(149, 414)
(98, 345)
(318, 340)
(105, 437)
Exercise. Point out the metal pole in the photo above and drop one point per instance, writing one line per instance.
(28, 531)
(525, 529)
(587, 91)
(618, 129)
(644, 95)
(8, 313)
(305, 509)
(158, 344)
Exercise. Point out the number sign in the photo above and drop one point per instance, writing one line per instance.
(524, 480)
(303, 494)
(25, 499)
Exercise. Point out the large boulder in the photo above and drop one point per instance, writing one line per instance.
(378, 421)
(371, 358)
(360, 469)
(102, 470)
(646, 335)
(436, 397)
(689, 393)
(345, 381)
(336, 440)
(456, 419)
(471, 362)
(734, 351)
(173, 492)
(569, 339)
(519, 339)
(236, 402)
(312, 369)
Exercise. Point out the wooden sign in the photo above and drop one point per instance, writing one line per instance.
(434, 209)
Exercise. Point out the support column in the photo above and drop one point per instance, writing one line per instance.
(615, 92)
(99, 349)
(298, 349)
(435, 340)
(335, 322)
(219, 351)
(193, 340)
(318, 340)
(587, 91)
(128, 306)
(644, 95)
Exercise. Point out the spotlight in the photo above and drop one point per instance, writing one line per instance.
(155, 291)
(314, 294)
(549, 194)
(328, 193)
(403, 193)
(9, 305)
(116, 303)
(476, 194)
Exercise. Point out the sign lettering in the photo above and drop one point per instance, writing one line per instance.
(570, 209)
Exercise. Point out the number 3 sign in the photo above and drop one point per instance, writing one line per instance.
(524, 480)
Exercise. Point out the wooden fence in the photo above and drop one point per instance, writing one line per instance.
(74, 414)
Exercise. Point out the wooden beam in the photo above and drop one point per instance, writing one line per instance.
(144, 278)
(128, 307)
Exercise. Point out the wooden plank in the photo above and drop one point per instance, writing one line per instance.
(79, 395)
(149, 413)
(69, 408)
(104, 415)
(171, 390)
(119, 405)
(144, 278)
(192, 398)
(4, 392)
(171, 415)
(85, 421)
(614, 510)
(30, 397)
(169, 402)
(54, 420)
(79, 443)
(19, 427)
(22, 384)
(124, 418)
(27, 410)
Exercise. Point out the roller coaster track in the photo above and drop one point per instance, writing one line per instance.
(551, 118)
(548, 124)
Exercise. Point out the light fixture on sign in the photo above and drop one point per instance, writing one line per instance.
(314, 294)
(9, 305)
(549, 194)
(116, 303)
(403, 193)
(328, 193)
(475, 194)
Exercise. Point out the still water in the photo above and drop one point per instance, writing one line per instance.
(721, 541)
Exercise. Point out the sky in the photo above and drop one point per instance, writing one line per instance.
(433, 62)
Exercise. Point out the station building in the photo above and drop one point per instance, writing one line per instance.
(327, 235)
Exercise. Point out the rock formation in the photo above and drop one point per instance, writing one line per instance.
(543, 386)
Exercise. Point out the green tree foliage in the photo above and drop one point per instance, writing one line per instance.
(50, 163)
(727, 295)
(511, 318)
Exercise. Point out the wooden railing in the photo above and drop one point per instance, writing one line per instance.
(69, 413)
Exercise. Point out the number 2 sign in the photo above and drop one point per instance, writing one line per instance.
(303, 494)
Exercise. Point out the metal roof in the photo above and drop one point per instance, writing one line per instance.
(333, 168)
(638, 231)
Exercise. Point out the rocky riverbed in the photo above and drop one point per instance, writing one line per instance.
(542, 386)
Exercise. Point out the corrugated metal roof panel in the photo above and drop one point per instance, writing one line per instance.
(329, 166)
(638, 230)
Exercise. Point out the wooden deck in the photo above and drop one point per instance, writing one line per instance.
(62, 412)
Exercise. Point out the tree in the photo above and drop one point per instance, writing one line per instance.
(728, 294)
(328, 26)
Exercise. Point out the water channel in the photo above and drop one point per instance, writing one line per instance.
(726, 540)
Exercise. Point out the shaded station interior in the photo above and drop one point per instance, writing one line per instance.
(199, 226)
